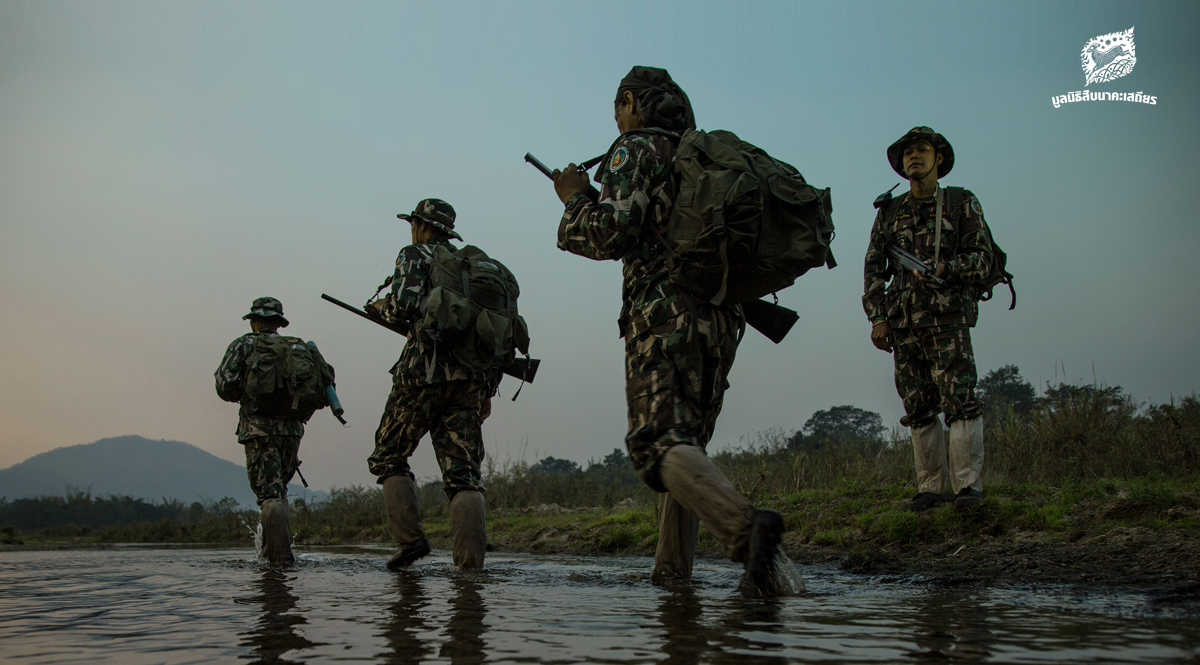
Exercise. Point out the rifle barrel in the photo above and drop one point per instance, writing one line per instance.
(518, 369)
(537, 164)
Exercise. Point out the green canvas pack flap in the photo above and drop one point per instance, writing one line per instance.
(744, 224)
(286, 377)
(471, 310)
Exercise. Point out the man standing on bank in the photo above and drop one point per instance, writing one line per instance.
(272, 442)
(432, 393)
(925, 324)
(678, 348)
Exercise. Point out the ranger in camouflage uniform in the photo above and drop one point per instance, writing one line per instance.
(929, 326)
(431, 393)
(271, 442)
(678, 348)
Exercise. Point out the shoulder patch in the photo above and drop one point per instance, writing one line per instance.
(620, 158)
(975, 207)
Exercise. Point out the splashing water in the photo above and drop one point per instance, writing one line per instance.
(256, 533)
(787, 579)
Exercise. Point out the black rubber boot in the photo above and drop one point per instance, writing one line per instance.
(408, 554)
(766, 532)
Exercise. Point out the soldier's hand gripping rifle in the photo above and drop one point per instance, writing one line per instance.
(592, 193)
(772, 320)
(523, 369)
(901, 256)
(910, 261)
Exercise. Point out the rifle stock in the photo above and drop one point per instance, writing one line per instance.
(773, 321)
(523, 369)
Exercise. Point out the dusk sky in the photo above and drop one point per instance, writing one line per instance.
(163, 164)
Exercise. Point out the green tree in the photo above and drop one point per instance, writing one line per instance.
(1111, 399)
(840, 424)
(1004, 387)
(553, 466)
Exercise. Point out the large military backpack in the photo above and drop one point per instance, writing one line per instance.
(953, 212)
(744, 224)
(286, 377)
(471, 309)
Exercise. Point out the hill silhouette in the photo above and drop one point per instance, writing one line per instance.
(131, 466)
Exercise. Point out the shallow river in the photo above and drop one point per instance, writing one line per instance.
(194, 605)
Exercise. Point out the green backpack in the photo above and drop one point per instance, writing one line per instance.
(286, 377)
(472, 308)
(744, 224)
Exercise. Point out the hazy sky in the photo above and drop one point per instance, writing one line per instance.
(163, 164)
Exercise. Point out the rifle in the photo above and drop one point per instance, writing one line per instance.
(912, 262)
(523, 369)
(592, 192)
(773, 321)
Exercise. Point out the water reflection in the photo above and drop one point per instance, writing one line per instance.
(172, 606)
(406, 633)
(413, 630)
(952, 625)
(465, 643)
(275, 632)
(688, 638)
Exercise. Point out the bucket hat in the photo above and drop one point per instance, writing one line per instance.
(267, 308)
(895, 151)
(435, 212)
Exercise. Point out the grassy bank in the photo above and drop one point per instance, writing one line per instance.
(1083, 467)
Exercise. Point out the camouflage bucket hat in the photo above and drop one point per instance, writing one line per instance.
(895, 151)
(435, 212)
(268, 308)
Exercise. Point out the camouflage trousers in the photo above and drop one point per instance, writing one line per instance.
(935, 373)
(675, 382)
(449, 412)
(271, 462)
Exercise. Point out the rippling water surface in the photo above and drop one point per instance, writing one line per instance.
(184, 605)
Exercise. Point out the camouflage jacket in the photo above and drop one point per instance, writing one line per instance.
(966, 252)
(637, 192)
(231, 383)
(402, 306)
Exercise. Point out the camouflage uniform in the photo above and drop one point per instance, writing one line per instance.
(931, 324)
(935, 366)
(432, 392)
(271, 442)
(678, 349)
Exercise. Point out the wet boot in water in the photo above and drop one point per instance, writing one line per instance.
(678, 531)
(404, 519)
(468, 529)
(766, 532)
(276, 533)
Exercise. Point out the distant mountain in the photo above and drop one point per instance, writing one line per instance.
(131, 466)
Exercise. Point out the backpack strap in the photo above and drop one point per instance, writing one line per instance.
(889, 223)
(954, 206)
(953, 211)
(937, 228)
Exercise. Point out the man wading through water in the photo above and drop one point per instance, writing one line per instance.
(269, 429)
(432, 393)
(678, 348)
